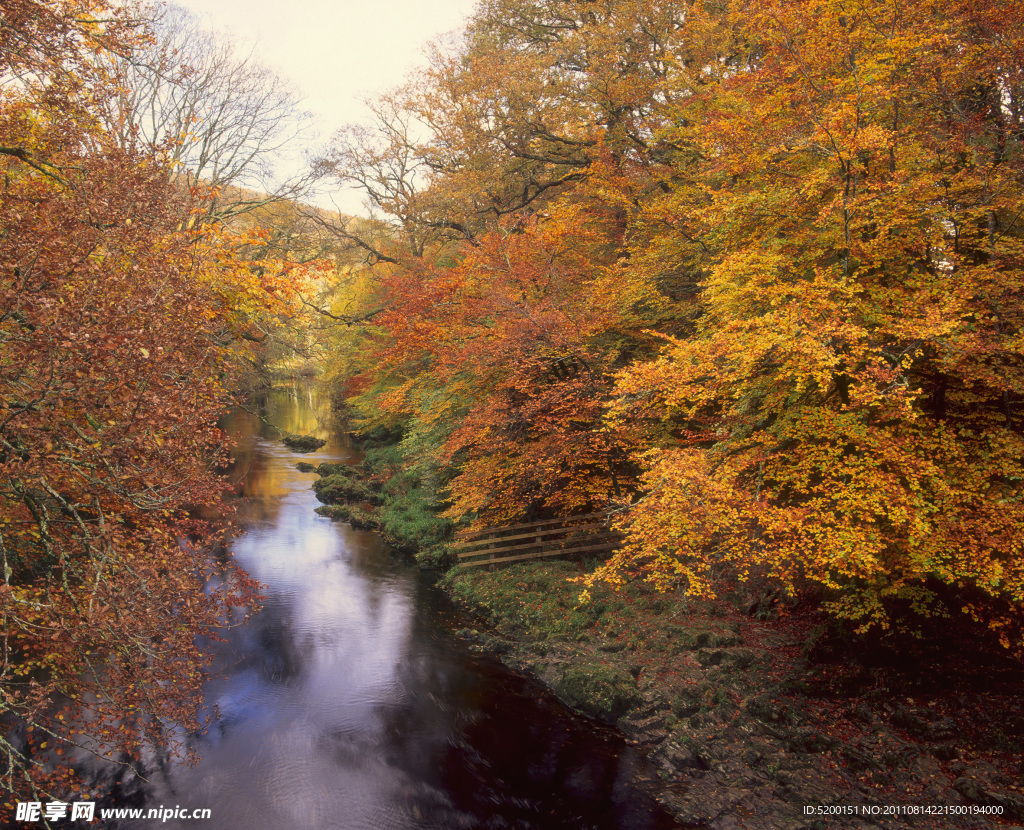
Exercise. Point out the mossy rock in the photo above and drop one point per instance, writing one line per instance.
(340, 488)
(355, 516)
(303, 443)
(305, 467)
(327, 469)
(717, 639)
(687, 703)
(690, 639)
(731, 658)
(601, 690)
(768, 709)
(363, 519)
(435, 557)
(810, 740)
(341, 512)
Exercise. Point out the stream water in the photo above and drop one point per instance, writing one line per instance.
(347, 703)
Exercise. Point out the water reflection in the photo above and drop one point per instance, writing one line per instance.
(343, 704)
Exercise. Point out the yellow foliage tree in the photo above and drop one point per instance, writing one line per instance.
(847, 411)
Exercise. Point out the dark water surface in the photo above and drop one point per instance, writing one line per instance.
(346, 703)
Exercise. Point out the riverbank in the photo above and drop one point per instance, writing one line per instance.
(751, 718)
(753, 722)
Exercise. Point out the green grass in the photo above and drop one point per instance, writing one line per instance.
(535, 602)
(382, 494)
(532, 599)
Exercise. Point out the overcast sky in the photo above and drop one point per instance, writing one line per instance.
(336, 52)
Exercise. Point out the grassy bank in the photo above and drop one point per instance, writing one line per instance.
(623, 640)
(382, 493)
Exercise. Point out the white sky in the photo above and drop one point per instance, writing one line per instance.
(336, 52)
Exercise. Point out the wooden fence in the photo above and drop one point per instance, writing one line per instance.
(588, 533)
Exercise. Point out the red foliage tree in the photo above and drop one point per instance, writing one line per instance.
(112, 378)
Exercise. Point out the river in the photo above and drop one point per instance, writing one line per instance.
(347, 703)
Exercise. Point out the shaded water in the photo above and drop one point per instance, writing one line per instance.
(346, 703)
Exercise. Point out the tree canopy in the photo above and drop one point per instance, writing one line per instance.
(748, 273)
(121, 322)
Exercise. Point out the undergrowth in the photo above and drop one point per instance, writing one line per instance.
(539, 601)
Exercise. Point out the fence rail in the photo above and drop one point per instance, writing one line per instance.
(588, 533)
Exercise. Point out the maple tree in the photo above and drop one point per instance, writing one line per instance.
(113, 372)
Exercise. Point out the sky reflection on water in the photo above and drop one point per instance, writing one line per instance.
(345, 704)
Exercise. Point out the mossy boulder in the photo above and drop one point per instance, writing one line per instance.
(341, 488)
(328, 469)
(355, 516)
(435, 557)
(603, 690)
(305, 467)
(727, 658)
(341, 512)
(303, 443)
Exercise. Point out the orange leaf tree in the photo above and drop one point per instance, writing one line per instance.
(500, 302)
(849, 404)
(502, 362)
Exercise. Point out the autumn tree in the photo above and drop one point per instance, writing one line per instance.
(846, 413)
(229, 127)
(816, 207)
(112, 377)
(501, 305)
(500, 364)
(517, 112)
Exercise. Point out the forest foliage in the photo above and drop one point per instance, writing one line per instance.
(124, 316)
(746, 272)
